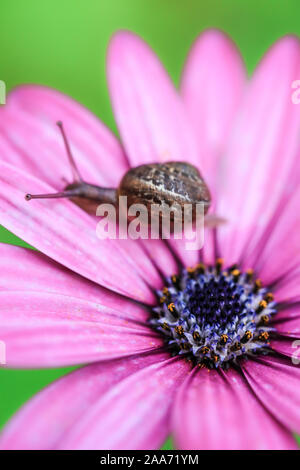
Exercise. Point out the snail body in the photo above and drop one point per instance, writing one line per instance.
(163, 184)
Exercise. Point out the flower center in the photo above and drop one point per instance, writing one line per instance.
(214, 316)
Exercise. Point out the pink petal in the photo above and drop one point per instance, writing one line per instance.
(287, 323)
(288, 288)
(132, 415)
(161, 256)
(276, 384)
(60, 407)
(51, 330)
(188, 258)
(27, 270)
(64, 232)
(262, 155)
(32, 140)
(218, 411)
(212, 88)
(286, 346)
(281, 238)
(151, 118)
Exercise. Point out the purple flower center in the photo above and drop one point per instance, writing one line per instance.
(214, 316)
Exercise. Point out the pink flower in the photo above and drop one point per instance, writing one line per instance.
(84, 301)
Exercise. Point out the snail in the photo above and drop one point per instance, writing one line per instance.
(156, 183)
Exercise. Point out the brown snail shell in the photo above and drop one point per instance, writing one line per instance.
(164, 184)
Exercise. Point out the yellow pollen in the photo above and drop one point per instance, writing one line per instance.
(263, 304)
(235, 272)
(219, 264)
(236, 347)
(191, 270)
(264, 336)
(224, 338)
(171, 307)
(258, 284)
(269, 297)
(179, 330)
(248, 334)
(196, 335)
(265, 319)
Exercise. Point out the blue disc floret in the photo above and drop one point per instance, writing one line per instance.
(215, 316)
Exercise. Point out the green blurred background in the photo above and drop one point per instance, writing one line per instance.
(62, 43)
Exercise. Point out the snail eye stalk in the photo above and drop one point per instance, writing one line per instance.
(76, 174)
(79, 189)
